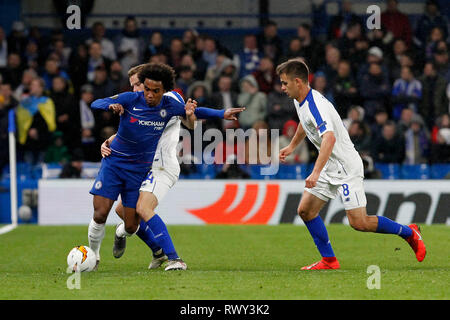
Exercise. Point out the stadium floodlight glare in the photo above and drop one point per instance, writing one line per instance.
(12, 173)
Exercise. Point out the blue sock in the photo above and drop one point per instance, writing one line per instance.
(162, 237)
(386, 225)
(319, 234)
(147, 236)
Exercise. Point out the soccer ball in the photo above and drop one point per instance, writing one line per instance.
(81, 259)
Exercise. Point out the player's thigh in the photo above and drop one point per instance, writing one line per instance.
(352, 193)
(310, 206)
(131, 219)
(102, 206)
(159, 183)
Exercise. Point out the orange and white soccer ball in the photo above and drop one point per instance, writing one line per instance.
(81, 259)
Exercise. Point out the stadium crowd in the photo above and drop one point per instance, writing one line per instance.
(391, 85)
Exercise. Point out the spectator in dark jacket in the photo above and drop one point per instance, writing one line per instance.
(374, 89)
(430, 19)
(390, 147)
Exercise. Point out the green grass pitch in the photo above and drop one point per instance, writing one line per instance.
(227, 263)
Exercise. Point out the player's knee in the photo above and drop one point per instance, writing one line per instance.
(100, 216)
(304, 214)
(131, 228)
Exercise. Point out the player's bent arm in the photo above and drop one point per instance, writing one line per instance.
(189, 122)
(326, 147)
(298, 137)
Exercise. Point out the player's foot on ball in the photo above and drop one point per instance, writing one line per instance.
(120, 244)
(158, 259)
(416, 243)
(323, 265)
(96, 265)
(176, 264)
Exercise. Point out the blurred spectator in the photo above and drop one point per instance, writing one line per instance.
(98, 34)
(404, 123)
(440, 123)
(176, 52)
(7, 102)
(339, 24)
(73, 169)
(210, 51)
(87, 123)
(434, 101)
(258, 147)
(79, 66)
(320, 84)
(23, 90)
(380, 38)
(396, 22)
(227, 68)
(103, 86)
(254, 101)
(352, 45)
(344, 88)
(232, 170)
(311, 49)
(265, 75)
(225, 98)
(155, 46)
(417, 145)
(360, 135)
(129, 45)
(381, 118)
(440, 149)
(269, 42)
(63, 52)
(51, 71)
(399, 49)
(185, 78)
(356, 113)
(65, 109)
(370, 172)
(294, 49)
(374, 89)
(213, 72)
(406, 93)
(35, 122)
(250, 56)
(96, 59)
(119, 82)
(436, 35)
(301, 153)
(441, 60)
(13, 71)
(32, 58)
(390, 147)
(280, 108)
(3, 50)
(432, 18)
(57, 152)
(374, 55)
(17, 39)
(189, 38)
(332, 58)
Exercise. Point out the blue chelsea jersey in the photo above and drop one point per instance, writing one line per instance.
(140, 128)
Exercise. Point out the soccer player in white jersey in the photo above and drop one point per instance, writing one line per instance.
(162, 177)
(338, 169)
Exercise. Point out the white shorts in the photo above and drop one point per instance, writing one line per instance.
(158, 181)
(351, 190)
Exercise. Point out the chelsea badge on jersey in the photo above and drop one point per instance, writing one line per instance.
(163, 113)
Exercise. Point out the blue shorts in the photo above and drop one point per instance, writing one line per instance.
(112, 181)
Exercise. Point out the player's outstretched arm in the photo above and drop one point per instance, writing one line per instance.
(298, 137)
(209, 113)
(326, 147)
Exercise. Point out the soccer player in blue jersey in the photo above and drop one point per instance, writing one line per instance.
(144, 116)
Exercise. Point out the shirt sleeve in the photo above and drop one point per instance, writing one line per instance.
(320, 118)
(125, 99)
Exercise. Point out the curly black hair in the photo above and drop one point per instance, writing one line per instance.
(158, 72)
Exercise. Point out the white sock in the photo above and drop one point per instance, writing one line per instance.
(96, 233)
(121, 232)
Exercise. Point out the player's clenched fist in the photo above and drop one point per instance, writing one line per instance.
(190, 107)
(117, 108)
(311, 181)
(286, 151)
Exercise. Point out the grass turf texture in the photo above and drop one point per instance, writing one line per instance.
(227, 263)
